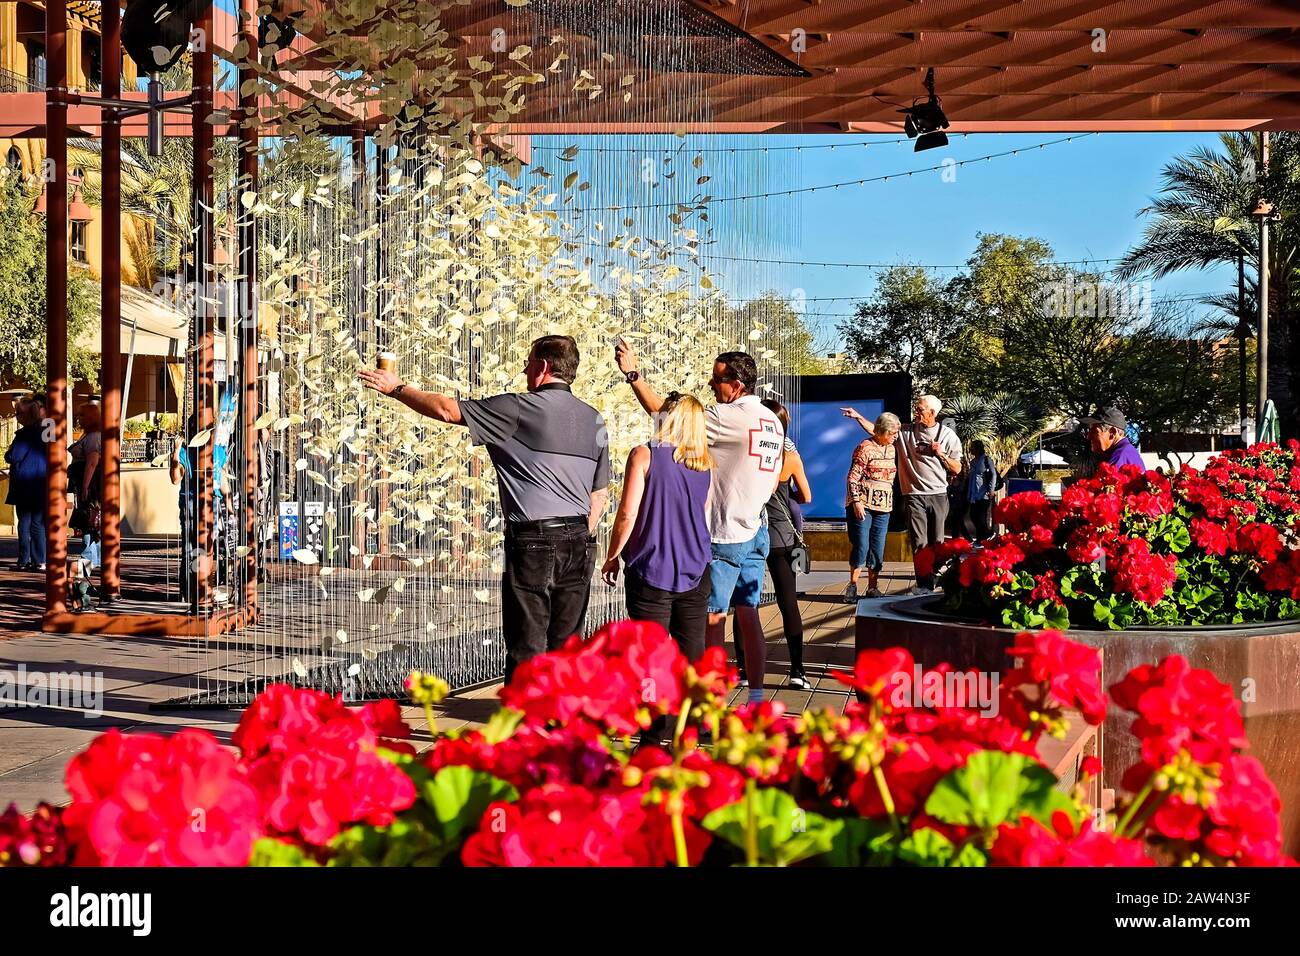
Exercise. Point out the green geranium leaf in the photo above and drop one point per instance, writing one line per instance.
(786, 832)
(927, 847)
(995, 787)
(861, 842)
(271, 852)
(449, 804)
(502, 725)
(1055, 615)
(1079, 582)
(458, 796)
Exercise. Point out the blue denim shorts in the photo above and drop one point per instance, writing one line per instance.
(867, 536)
(736, 572)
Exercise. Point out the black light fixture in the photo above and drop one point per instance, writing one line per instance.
(925, 122)
(277, 28)
(156, 32)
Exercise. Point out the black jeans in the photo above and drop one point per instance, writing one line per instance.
(545, 587)
(926, 517)
(787, 599)
(683, 614)
(981, 516)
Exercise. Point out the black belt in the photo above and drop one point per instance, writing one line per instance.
(546, 524)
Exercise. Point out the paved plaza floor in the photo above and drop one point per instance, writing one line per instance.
(137, 672)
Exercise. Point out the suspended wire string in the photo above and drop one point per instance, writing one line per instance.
(946, 164)
(680, 148)
(402, 522)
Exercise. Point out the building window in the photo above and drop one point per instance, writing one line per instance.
(14, 159)
(79, 242)
(94, 72)
(36, 65)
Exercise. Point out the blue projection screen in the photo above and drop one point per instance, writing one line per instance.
(826, 439)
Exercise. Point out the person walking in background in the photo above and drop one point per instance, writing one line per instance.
(980, 485)
(868, 503)
(661, 530)
(551, 456)
(182, 474)
(929, 453)
(27, 458)
(747, 442)
(84, 482)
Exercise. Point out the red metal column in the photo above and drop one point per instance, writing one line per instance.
(248, 301)
(56, 303)
(111, 296)
(204, 365)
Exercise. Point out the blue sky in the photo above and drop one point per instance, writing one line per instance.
(1083, 197)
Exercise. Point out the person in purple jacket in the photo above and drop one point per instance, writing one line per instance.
(1110, 444)
(661, 531)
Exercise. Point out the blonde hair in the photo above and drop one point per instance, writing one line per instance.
(681, 424)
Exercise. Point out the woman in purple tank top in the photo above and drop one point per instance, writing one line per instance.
(661, 531)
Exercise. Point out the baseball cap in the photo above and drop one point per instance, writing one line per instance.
(1107, 416)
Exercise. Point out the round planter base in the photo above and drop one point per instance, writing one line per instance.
(1260, 663)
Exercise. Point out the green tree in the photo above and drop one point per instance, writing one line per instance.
(1201, 218)
(914, 324)
(784, 331)
(1005, 422)
(22, 293)
(1062, 340)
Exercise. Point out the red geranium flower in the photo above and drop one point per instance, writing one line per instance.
(1181, 708)
(1071, 671)
(1245, 815)
(1029, 843)
(147, 800)
(874, 671)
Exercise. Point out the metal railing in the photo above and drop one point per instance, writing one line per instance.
(147, 450)
(11, 82)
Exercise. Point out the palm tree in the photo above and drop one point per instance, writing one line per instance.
(156, 190)
(1005, 422)
(1202, 218)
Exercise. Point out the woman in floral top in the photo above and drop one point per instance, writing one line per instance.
(868, 504)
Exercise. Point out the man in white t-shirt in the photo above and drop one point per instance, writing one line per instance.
(747, 443)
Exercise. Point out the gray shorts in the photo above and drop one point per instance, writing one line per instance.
(926, 516)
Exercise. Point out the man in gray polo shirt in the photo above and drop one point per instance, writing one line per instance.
(929, 454)
(551, 456)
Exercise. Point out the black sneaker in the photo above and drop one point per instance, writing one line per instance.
(800, 681)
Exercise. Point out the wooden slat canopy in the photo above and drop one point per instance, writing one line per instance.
(846, 65)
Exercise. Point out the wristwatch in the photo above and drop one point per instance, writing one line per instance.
(397, 390)
(633, 376)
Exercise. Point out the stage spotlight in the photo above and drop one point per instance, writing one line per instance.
(931, 141)
(923, 122)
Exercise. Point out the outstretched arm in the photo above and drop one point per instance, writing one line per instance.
(854, 414)
(443, 408)
(627, 361)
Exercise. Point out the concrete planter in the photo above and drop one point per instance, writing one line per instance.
(1261, 662)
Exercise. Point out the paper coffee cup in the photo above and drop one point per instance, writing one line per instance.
(388, 361)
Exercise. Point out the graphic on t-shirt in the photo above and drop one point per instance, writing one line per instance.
(765, 444)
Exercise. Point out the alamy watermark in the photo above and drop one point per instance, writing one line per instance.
(976, 690)
(1074, 298)
(68, 690)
